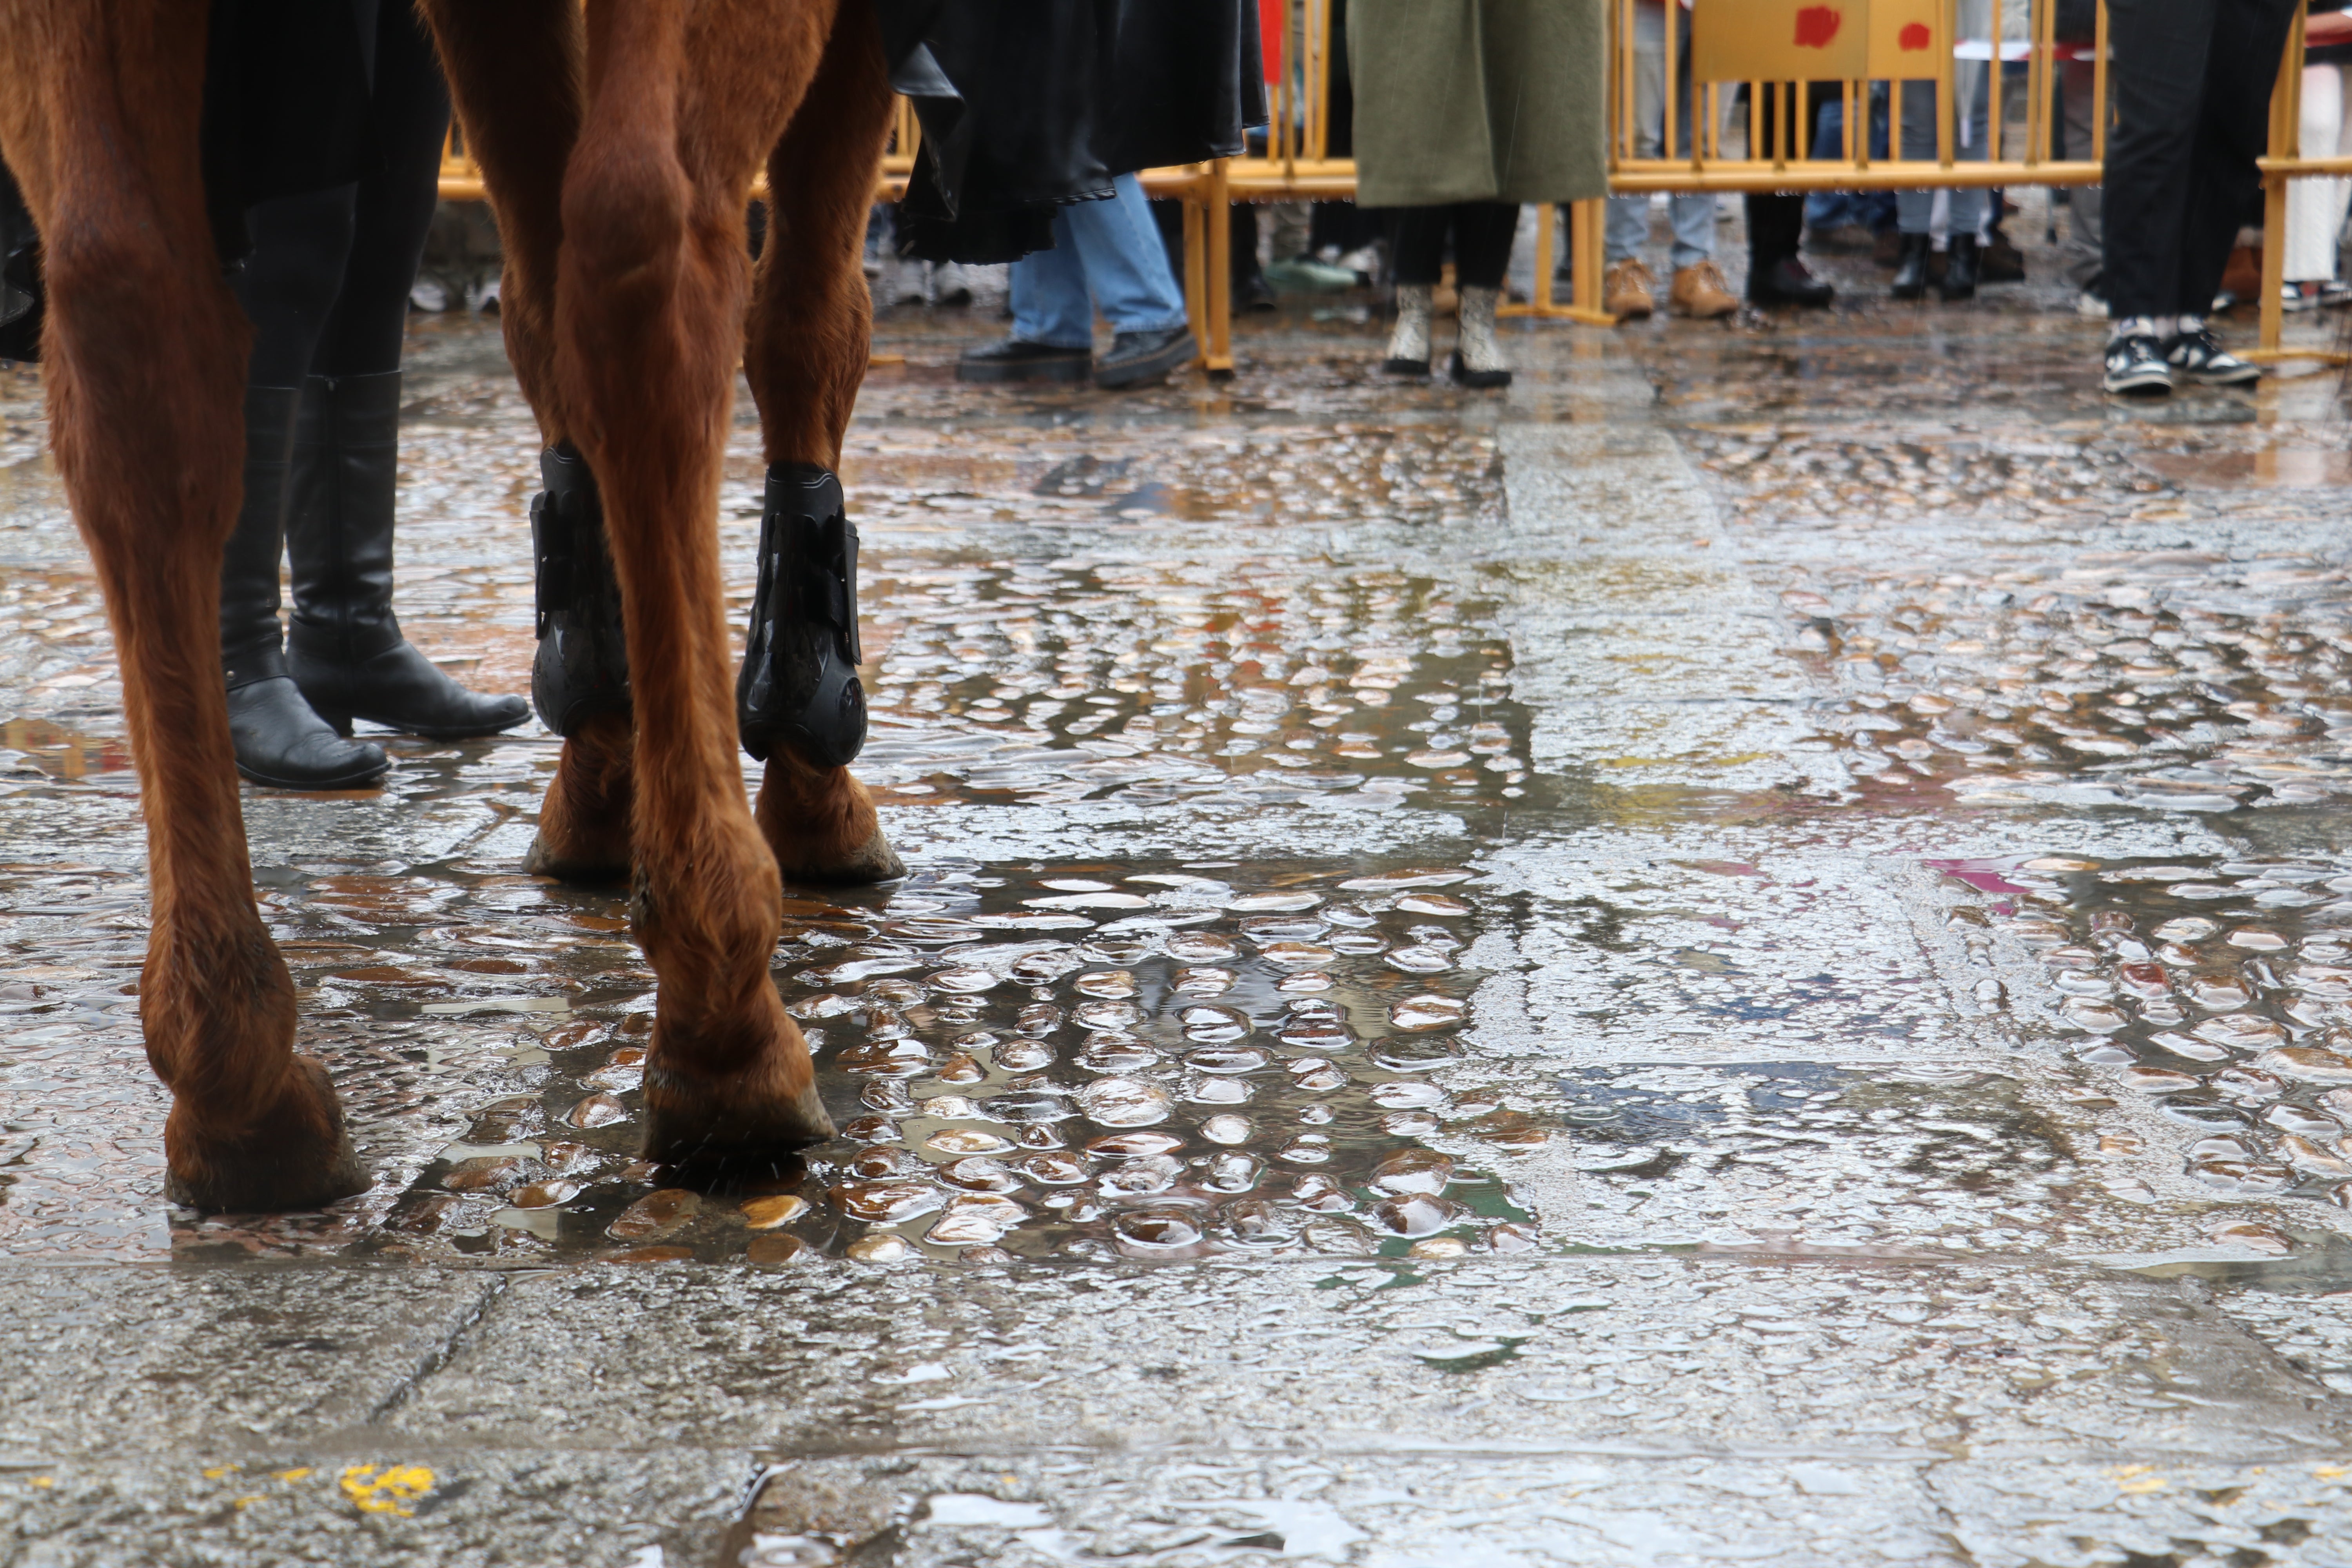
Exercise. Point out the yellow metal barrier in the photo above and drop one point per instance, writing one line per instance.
(1297, 165)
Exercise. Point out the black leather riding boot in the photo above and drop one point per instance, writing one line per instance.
(280, 740)
(1911, 267)
(582, 669)
(344, 647)
(799, 684)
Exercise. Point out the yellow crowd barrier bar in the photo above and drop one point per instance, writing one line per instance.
(1296, 164)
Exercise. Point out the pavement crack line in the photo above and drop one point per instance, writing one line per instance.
(439, 1355)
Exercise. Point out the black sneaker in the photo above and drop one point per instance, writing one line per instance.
(2136, 365)
(2200, 356)
(1013, 360)
(1137, 357)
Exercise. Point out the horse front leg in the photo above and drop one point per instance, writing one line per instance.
(515, 69)
(805, 353)
(146, 356)
(649, 310)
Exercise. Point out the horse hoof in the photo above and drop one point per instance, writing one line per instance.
(710, 1131)
(588, 871)
(872, 861)
(299, 1155)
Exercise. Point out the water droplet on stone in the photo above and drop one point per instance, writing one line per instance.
(1226, 1129)
(768, 1212)
(1056, 1168)
(1125, 1102)
(1417, 1214)
(1158, 1228)
(544, 1195)
(1306, 1148)
(974, 1219)
(980, 1175)
(1420, 1171)
(597, 1110)
(882, 1247)
(657, 1214)
(1513, 1237)
(887, 1203)
(779, 1249)
(1426, 1012)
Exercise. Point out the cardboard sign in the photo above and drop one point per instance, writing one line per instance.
(1906, 39)
(1779, 40)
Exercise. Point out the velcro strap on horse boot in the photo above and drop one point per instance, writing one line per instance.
(582, 668)
(799, 685)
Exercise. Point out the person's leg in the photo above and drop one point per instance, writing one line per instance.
(1418, 246)
(1050, 303)
(1482, 232)
(1125, 267)
(2077, 82)
(344, 647)
(1626, 233)
(2157, 79)
(2315, 208)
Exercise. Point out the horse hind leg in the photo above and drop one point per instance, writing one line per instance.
(146, 356)
(805, 353)
(652, 277)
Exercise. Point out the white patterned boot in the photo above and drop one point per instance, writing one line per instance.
(1477, 358)
(1408, 345)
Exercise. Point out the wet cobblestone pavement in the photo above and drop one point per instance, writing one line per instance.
(1742, 952)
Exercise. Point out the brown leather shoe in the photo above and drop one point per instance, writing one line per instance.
(1699, 292)
(1625, 289)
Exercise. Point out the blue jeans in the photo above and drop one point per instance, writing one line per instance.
(1106, 254)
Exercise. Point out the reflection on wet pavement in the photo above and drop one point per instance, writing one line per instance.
(1781, 890)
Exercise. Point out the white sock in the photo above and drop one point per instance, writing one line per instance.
(2137, 327)
(2184, 325)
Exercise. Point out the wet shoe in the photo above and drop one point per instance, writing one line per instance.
(1998, 261)
(2090, 304)
(281, 742)
(1252, 292)
(1408, 343)
(1626, 290)
(1478, 359)
(2136, 365)
(799, 684)
(344, 644)
(1960, 269)
(1787, 281)
(1013, 360)
(1136, 358)
(1700, 294)
(2198, 355)
(1911, 268)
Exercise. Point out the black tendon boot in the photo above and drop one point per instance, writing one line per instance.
(345, 649)
(799, 685)
(582, 665)
(280, 740)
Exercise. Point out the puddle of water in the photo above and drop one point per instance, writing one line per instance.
(2220, 990)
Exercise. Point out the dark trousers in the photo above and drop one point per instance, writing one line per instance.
(1482, 232)
(326, 286)
(1776, 220)
(2192, 85)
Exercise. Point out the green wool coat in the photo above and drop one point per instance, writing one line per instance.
(1465, 101)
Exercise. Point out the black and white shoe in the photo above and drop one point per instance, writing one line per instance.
(2136, 365)
(2200, 356)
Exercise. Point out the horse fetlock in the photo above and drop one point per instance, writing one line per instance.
(820, 826)
(585, 818)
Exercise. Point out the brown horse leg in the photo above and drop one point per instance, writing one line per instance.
(806, 350)
(649, 302)
(146, 356)
(516, 71)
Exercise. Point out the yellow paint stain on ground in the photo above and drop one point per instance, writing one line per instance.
(2144, 1485)
(45, 1480)
(294, 1475)
(217, 1471)
(386, 1488)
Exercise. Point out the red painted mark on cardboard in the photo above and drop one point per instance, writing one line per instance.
(1914, 36)
(1817, 24)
